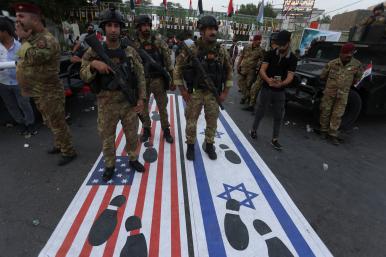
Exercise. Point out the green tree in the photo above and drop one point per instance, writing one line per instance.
(251, 9)
(146, 2)
(325, 19)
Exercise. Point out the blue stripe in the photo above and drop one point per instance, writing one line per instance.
(214, 240)
(297, 240)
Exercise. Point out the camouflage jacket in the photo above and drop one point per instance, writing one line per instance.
(87, 74)
(37, 70)
(183, 61)
(374, 20)
(341, 77)
(252, 56)
(158, 44)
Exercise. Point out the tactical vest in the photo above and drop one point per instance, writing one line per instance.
(213, 66)
(154, 52)
(106, 81)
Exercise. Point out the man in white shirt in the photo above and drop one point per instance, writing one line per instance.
(17, 105)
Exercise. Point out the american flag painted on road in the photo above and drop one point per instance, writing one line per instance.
(233, 206)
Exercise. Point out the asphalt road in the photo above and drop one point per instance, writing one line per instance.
(345, 204)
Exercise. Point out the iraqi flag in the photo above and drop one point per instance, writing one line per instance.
(165, 2)
(366, 73)
(231, 207)
(230, 8)
(190, 5)
(260, 16)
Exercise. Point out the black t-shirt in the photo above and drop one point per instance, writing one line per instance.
(279, 66)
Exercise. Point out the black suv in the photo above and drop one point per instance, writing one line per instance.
(369, 97)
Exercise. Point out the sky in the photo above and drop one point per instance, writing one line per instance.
(329, 5)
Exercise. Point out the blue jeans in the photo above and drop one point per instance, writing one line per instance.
(17, 105)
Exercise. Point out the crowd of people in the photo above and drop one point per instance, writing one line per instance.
(262, 79)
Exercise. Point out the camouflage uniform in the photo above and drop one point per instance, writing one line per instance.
(200, 97)
(255, 88)
(38, 75)
(114, 107)
(156, 84)
(251, 58)
(340, 78)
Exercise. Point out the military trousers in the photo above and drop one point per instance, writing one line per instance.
(112, 108)
(255, 88)
(245, 83)
(332, 109)
(52, 109)
(156, 86)
(199, 99)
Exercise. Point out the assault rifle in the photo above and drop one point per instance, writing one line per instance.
(121, 76)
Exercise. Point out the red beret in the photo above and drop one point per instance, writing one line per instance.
(347, 48)
(27, 7)
(256, 37)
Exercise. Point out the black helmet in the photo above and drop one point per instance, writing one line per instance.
(111, 15)
(142, 19)
(207, 21)
(380, 7)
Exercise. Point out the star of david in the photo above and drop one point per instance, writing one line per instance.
(217, 135)
(247, 202)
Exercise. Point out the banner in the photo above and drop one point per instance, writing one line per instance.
(310, 35)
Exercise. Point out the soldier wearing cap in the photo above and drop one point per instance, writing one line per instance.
(113, 106)
(38, 75)
(215, 59)
(155, 83)
(277, 72)
(378, 16)
(247, 66)
(340, 74)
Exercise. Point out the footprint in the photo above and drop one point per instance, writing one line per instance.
(150, 155)
(135, 245)
(276, 248)
(235, 229)
(155, 116)
(105, 224)
(231, 155)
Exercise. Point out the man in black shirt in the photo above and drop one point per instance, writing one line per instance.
(277, 71)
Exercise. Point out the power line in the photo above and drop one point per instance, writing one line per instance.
(340, 8)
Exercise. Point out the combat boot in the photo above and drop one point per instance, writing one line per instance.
(137, 166)
(190, 152)
(108, 173)
(167, 136)
(334, 140)
(66, 159)
(209, 149)
(146, 135)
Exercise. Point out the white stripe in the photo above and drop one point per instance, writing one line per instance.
(165, 222)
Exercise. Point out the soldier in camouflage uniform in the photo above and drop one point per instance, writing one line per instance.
(378, 16)
(248, 62)
(217, 63)
(38, 75)
(112, 103)
(155, 83)
(341, 74)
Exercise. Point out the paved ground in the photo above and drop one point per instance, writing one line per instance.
(346, 204)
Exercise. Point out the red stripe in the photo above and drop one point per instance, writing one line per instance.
(110, 246)
(65, 247)
(175, 215)
(77, 222)
(86, 249)
(156, 219)
(119, 138)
